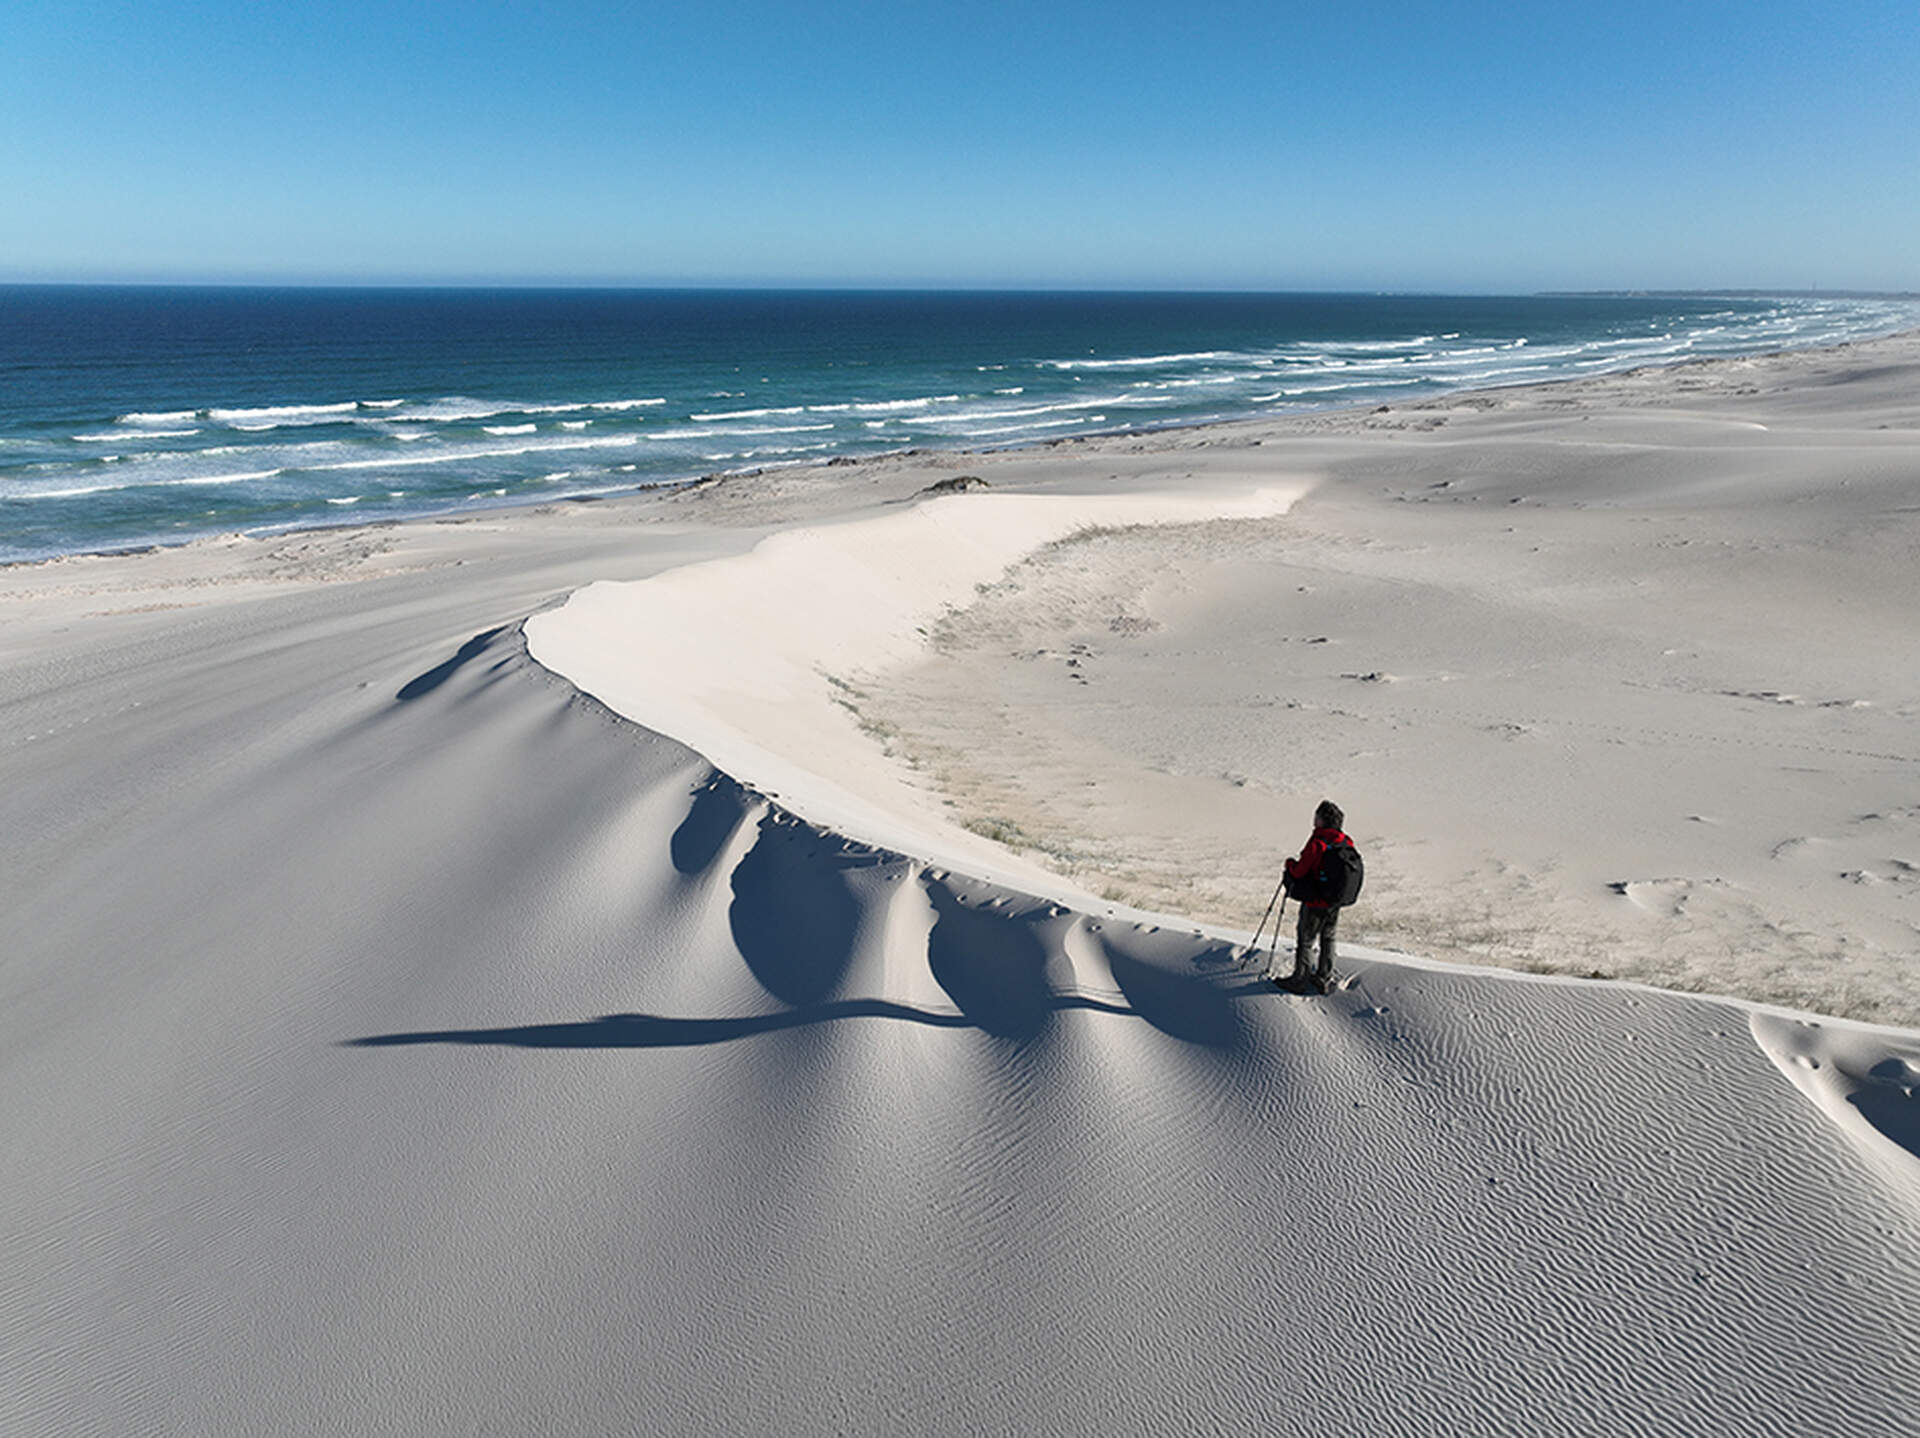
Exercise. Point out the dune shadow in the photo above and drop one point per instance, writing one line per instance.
(422, 684)
(718, 807)
(1890, 1106)
(991, 964)
(794, 917)
(1192, 1007)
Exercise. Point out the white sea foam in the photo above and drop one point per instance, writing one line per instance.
(268, 416)
(165, 416)
(461, 455)
(133, 484)
(506, 429)
(344, 499)
(739, 431)
(1140, 361)
(1037, 424)
(747, 413)
(1375, 346)
(879, 406)
(575, 423)
(1199, 382)
(118, 436)
(966, 416)
(453, 408)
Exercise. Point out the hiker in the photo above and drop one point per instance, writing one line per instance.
(1319, 909)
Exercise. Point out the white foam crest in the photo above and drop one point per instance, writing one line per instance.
(1142, 361)
(269, 416)
(118, 435)
(1481, 376)
(735, 432)
(503, 430)
(163, 416)
(454, 407)
(575, 423)
(768, 451)
(967, 416)
(189, 480)
(1378, 346)
(1038, 424)
(575, 406)
(880, 406)
(343, 499)
(1200, 382)
(460, 455)
(748, 413)
(283, 454)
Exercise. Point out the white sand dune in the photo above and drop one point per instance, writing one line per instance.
(396, 1039)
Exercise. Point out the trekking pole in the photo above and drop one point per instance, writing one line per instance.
(1278, 890)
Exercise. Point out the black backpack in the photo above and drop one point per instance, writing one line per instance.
(1336, 881)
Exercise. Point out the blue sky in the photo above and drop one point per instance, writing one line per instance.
(1476, 147)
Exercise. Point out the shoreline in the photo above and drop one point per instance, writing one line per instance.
(640, 492)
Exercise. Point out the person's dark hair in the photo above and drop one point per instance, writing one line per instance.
(1328, 815)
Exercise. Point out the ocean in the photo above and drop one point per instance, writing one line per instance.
(134, 416)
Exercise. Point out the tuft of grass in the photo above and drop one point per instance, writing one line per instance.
(1001, 831)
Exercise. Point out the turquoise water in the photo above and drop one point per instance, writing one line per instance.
(133, 416)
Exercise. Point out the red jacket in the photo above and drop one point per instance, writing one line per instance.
(1308, 863)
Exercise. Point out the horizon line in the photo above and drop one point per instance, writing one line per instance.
(772, 286)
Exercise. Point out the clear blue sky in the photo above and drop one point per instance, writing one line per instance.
(1479, 147)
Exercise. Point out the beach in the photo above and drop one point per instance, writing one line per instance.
(771, 953)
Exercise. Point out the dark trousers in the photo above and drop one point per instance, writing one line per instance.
(1315, 926)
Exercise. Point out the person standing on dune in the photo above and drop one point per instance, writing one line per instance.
(1324, 878)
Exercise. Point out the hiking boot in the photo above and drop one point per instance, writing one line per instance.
(1323, 981)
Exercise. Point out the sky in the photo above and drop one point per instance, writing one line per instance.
(1466, 147)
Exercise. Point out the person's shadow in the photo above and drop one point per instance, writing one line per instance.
(658, 1031)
